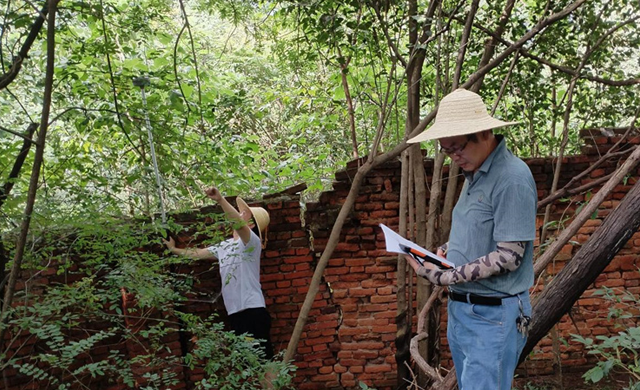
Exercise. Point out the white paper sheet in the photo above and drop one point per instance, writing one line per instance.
(393, 241)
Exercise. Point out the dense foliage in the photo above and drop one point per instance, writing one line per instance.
(117, 275)
(618, 353)
(251, 96)
(223, 109)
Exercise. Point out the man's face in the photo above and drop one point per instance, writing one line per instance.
(468, 154)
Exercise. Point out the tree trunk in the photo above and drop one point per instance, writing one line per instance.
(375, 160)
(403, 323)
(17, 165)
(592, 258)
(35, 172)
(6, 190)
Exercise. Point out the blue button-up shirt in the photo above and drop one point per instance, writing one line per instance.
(498, 203)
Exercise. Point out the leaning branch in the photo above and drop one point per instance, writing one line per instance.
(17, 165)
(566, 69)
(589, 262)
(586, 212)
(16, 66)
(35, 171)
(422, 333)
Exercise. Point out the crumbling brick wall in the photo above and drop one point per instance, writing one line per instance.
(350, 333)
(362, 275)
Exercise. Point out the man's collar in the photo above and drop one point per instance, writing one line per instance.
(498, 150)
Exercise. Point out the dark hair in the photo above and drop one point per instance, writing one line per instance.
(474, 136)
(255, 229)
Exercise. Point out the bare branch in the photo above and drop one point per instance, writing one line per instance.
(195, 58)
(539, 27)
(24, 137)
(35, 171)
(17, 165)
(16, 66)
(464, 41)
(385, 30)
(568, 188)
(586, 212)
(565, 69)
(113, 84)
(490, 46)
(422, 334)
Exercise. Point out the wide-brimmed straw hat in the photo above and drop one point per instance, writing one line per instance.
(260, 215)
(461, 112)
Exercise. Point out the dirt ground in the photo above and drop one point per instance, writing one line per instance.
(571, 381)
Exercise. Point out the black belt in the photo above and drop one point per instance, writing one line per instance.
(475, 299)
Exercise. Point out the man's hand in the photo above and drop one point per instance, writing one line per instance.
(213, 193)
(430, 266)
(415, 265)
(412, 262)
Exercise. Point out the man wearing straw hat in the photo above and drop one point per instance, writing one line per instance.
(239, 262)
(491, 245)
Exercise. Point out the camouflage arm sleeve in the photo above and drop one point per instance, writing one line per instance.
(506, 258)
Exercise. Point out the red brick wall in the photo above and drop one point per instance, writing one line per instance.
(350, 332)
(362, 275)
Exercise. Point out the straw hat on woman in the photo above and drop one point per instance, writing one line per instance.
(239, 264)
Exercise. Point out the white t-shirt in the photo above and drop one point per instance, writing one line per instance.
(240, 273)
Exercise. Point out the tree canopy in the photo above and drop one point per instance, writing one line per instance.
(257, 96)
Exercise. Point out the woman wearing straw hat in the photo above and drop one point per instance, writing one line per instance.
(239, 260)
(491, 244)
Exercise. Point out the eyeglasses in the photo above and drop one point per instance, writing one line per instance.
(454, 150)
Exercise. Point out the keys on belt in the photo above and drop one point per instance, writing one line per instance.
(523, 322)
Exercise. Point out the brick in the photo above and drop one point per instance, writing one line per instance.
(359, 262)
(271, 277)
(336, 271)
(383, 298)
(379, 269)
(283, 284)
(361, 292)
(353, 362)
(391, 328)
(367, 355)
(388, 290)
(299, 275)
(371, 345)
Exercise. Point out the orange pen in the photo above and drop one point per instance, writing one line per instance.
(422, 257)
